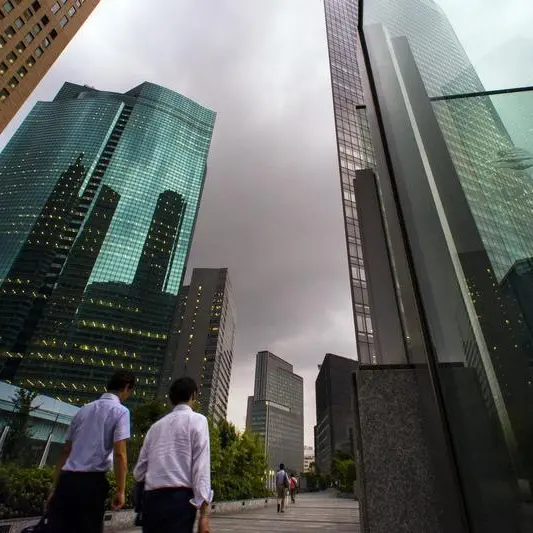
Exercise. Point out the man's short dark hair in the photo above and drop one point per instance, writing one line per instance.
(182, 390)
(282, 466)
(120, 380)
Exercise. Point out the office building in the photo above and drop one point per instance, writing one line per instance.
(275, 411)
(202, 339)
(309, 459)
(34, 33)
(99, 193)
(448, 199)
(355, 152)
(335, 417)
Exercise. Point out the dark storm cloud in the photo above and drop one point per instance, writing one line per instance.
(271, 210)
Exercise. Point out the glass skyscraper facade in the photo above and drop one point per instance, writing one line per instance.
(99, 194)
(355, 152)
(456, 160)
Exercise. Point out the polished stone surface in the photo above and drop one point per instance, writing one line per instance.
(312, 512)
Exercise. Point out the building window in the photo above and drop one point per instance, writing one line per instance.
(36, 29)
(77, 4)
(64, 21)
(28, 14)
(22, 71)
(30, 61)
(19, 23)
(28, 38)
(11, 57)
(45, 20)
(21, 47)
(38, 51)
(8, 6)
(2, 42)
(55, 8)
(13, 82)
(53, 34)
(4, 93)
(36, 6)
(71, 11)
(3, 68)
(46, 42)
(10, 31)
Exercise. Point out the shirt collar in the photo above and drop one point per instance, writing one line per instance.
(182, 407)
(110, 396)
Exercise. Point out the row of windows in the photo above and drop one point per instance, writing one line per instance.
(57, 6)
(22, 70)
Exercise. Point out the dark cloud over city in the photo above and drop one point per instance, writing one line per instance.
(271, 210)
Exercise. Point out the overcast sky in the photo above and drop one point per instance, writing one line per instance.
(271, 210)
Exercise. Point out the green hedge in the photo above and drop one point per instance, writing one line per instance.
(23, 491)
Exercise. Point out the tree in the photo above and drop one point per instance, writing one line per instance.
(142, 418)
(238, 463)
(343, 471)
(17, 446)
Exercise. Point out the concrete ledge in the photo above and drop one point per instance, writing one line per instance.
(125, 519)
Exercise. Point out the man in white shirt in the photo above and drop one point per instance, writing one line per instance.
(175, 466)
(96, 441)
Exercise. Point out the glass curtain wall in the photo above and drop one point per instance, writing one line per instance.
(456, 103)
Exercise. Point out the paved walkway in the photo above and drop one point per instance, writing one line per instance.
(312, 512)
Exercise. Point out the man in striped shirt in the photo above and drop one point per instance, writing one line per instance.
(175, 466)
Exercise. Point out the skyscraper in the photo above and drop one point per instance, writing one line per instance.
(355, 152)
(275, 411)
(202, 338)
(335, 417)
(35, 32)
(448, 169)
(98, 198)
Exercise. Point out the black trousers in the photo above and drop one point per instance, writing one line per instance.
(78, 505)
(168, 511)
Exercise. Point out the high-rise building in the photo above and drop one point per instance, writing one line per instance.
(275, 411)
(452, 180)
(99, 193)
(309, 459)
(202, 339)
(34, 33)
(335, 418)
(355, 152)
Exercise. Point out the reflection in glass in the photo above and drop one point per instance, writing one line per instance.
(98, 197)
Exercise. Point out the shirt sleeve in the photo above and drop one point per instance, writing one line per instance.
(139, 472)
(201, 465)
(122, 427)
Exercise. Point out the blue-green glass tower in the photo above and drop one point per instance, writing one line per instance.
(99, 193)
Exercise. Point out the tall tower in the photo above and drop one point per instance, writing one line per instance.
(276, 411)
(35, 32)
(355, 152)
(202, 338)
(95, 228)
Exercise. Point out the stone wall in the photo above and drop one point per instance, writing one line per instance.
(124, 519)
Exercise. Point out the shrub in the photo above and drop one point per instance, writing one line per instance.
(23, 491)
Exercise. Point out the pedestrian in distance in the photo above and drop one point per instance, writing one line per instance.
(293, 485)
(96, 442)
(175, 466)
(282, 484)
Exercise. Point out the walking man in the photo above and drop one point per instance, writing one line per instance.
(282, 484)
(175, 466)
(96, 441)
